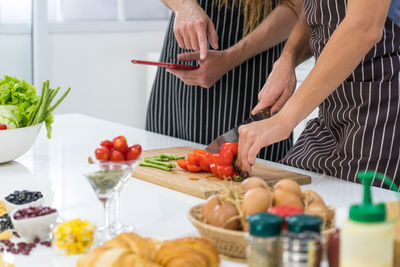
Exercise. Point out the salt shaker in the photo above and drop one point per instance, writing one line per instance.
(264, 241)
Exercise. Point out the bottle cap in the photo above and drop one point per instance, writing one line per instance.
(264, 225)
(304, 222)
(367, 212)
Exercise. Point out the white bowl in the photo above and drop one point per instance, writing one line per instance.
(31, 228)
(10, 207)
(15, 142)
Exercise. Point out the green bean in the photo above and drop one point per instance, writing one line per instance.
(157, 166)
(153, 161)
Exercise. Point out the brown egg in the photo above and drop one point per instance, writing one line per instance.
(289, 186)
(310, 196)
(318, 209)
(286, 198)
(252, 182)
(209, 206)
(256, 200)
(225, 216)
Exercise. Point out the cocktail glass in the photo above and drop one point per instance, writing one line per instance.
(106, 179)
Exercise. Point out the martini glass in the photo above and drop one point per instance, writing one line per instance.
(116, 226)
(106, 179)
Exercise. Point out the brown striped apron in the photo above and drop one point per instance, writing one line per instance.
(358, 125)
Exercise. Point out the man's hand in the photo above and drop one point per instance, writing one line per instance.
(210, 71)
(192, 26)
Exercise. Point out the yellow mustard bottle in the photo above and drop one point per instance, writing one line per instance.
(366, 238)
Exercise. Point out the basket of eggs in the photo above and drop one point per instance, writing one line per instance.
(222, 218)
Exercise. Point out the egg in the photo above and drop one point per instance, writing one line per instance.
(225, 216)
(209, 206)
(310, 196)
(289, 186)
(256, 200)
(318, 209)
(253, 182)
(287, 198)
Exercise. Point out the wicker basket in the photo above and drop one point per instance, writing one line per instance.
(230, 243)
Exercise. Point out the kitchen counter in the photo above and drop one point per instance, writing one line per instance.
(53, 167)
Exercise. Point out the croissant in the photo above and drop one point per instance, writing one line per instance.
(132, 250)
(187, 252)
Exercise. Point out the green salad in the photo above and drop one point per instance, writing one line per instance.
(20, 106)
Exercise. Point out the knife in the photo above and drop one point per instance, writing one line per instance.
(233, 134)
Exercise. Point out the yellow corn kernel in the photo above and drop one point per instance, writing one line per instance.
(74, 237)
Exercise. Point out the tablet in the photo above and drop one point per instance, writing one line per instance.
(165, 64)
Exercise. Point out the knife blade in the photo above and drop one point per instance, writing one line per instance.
(233, 134)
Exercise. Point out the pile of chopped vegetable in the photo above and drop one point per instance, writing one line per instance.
(20, 106)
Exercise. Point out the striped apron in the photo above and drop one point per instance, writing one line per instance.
(199, 114)
(358, 125)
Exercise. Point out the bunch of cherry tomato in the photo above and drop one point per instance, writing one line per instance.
(3, 126)
(220, 164)
(117, 150)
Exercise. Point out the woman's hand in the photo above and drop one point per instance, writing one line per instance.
(279, 86)
(210, 71)
(192, 26)
(259, 134)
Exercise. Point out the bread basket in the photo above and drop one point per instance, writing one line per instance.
(230, 243)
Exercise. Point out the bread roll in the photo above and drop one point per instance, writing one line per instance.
(131, 250)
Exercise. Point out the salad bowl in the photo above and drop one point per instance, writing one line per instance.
(16, 142)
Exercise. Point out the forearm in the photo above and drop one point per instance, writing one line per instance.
(350, 42)
(274, 29)
(174, 5)
(297, 48)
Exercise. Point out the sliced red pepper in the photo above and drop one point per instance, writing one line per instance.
(192, 158)
(193, 168)
(233, 147)
(223, 159)
(182, 163)
(225, 171)
(213, 169)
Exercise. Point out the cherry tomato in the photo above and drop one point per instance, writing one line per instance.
(102, 153)
(3, 127)
(107, 143)
(121, 146)
(117, 156)
(182, 163)
(132, 154)
(119, 137)
(193, 160)
(193, 168)
(138, 147)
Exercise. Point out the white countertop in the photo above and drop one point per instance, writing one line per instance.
(53, 167)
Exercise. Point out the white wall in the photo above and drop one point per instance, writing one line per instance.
(97, 67)
(15, 55)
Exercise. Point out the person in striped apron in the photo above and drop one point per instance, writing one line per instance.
(199, 105)
(355, 82)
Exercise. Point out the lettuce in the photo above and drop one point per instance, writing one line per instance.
(21, 107)
(22, 96)
(9, 117)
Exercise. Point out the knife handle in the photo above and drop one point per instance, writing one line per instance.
(263, 114)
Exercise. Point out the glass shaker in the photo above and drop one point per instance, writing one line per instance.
(264, 242)
(302, 245)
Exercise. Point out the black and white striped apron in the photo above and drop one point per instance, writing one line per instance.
(199, 114)
(358, 125)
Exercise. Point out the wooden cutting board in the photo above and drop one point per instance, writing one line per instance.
(203, 184)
